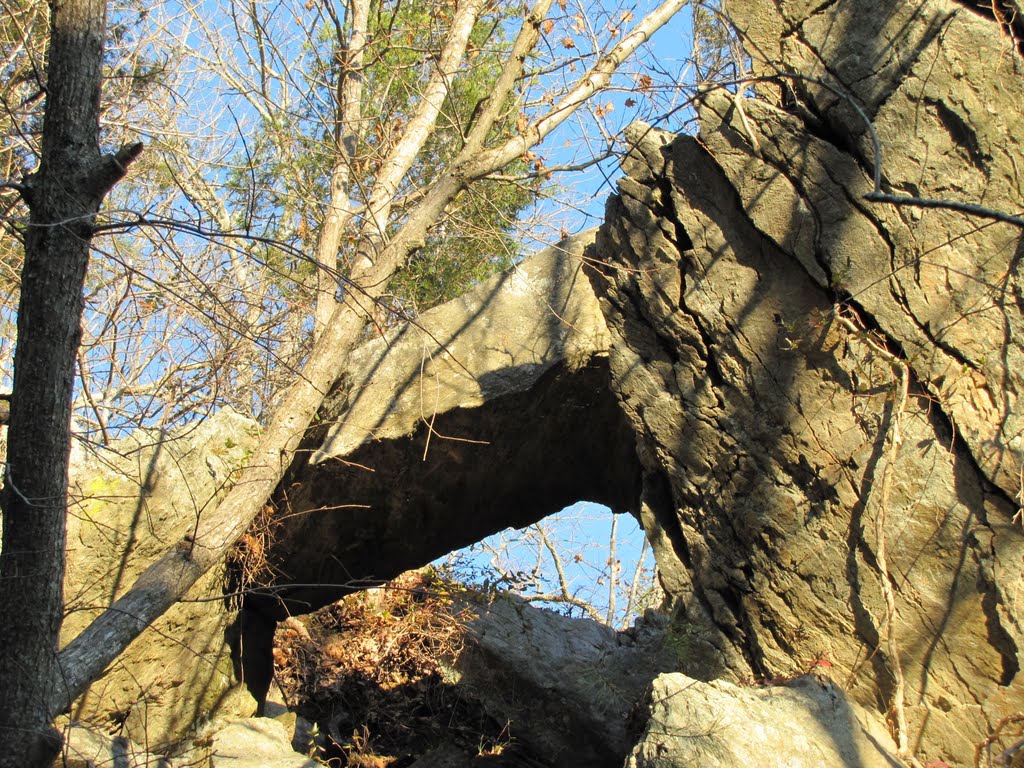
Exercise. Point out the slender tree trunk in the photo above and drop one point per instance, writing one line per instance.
(346, 135)
(63, 198)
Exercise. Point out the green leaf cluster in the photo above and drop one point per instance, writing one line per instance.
(284, 180)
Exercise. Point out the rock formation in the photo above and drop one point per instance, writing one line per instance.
(126, 506)
(824, 389)
(807, 723)
(489, 411)
(808, 396)
(821, 390)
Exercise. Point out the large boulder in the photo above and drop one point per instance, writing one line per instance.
(807, 723)
(127, 504)
(568, 686)
(86, 747)
(256, 742)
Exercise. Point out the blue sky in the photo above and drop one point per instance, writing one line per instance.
(580, 197)
(580, 535)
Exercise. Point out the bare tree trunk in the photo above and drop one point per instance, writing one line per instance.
(346, 134)
(63, 198)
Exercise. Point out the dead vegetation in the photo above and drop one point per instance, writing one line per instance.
(247, 559)
(374, 672)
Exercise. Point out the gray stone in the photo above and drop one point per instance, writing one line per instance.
(86, 747)
(805, 724)
(256, 742)
(127, 505)
(566, 686)
(949, 128)
(496, 340)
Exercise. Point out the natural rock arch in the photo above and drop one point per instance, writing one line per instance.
(759, 319)
(493, 411)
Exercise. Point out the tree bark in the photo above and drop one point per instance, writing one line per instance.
(347, 134)
(64, 196)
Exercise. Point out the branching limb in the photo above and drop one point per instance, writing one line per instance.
(564, 595)
(613, 572)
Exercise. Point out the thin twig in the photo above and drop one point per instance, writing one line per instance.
(634, 587)
(612, 572)
(894, 438)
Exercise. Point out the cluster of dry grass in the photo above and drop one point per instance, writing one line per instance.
(374, 671)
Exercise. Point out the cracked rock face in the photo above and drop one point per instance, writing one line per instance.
(762, 316)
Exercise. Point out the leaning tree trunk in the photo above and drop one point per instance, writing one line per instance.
(826, 387)
(170, 577)
(64, 196)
